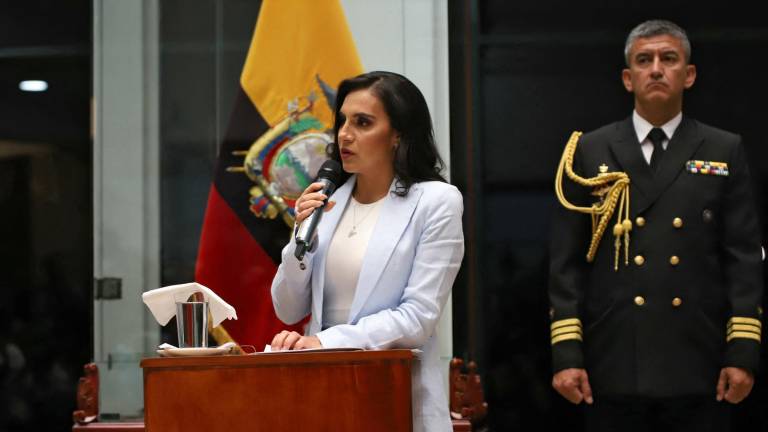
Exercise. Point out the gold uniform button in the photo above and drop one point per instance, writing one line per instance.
(639, 260)
(674, 260)
(677, 223)
(677, 301)
(640, 221)
(639, 300)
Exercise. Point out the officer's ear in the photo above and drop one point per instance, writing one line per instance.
(626, 78)
(690, 75)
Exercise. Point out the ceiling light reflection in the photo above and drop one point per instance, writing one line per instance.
(33, 85)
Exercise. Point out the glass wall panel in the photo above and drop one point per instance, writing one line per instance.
(166, 73)
(202, 51)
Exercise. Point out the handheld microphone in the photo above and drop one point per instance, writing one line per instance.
(329, 175)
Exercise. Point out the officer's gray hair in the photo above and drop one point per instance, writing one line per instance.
(653, 28)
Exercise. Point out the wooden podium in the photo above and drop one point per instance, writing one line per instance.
(298, 391)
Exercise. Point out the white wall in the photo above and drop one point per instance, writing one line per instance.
(126, 215)
(408, 37)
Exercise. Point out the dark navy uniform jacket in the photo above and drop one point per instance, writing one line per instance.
(688, 302)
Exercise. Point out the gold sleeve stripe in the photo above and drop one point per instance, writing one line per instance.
(565, 322)
(758, 334)
(744, 327)
(745, 320)
(567, 336)
(568, 329)
(742, 335)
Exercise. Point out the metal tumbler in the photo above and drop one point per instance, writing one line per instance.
(192, 324)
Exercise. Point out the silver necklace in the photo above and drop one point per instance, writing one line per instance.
(355, 222)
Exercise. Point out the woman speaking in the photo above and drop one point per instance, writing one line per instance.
(388, 247)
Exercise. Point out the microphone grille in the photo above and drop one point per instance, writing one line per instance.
(330, 170)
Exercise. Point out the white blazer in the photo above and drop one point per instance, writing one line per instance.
(407, 273)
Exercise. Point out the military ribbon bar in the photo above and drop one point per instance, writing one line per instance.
(707, 167)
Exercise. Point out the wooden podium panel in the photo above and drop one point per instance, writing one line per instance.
(298, 391)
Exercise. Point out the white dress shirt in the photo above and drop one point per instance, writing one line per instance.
(643, 128)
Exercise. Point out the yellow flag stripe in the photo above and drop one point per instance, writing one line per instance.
(294, 42)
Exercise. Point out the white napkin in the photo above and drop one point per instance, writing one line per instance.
(162, 302)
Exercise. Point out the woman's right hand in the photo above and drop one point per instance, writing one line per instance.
(291, 340)
(309, 200)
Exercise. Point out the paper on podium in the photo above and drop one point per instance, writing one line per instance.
(162, 302)
(268, 350)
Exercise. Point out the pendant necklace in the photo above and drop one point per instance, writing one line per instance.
(355, 222)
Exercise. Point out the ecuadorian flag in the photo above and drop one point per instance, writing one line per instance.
(301, 50)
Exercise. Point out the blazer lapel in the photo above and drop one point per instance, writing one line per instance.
(681, 148)
(627, 151)
(394, 217)
(325, 232)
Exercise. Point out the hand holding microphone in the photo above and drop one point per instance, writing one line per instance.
(315, 197)
(310, 199)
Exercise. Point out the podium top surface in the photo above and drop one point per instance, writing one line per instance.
(280, 358)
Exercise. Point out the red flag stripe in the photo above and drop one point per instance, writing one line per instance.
(233, 264)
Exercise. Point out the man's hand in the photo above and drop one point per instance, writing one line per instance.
(734, 384)
(573, 384)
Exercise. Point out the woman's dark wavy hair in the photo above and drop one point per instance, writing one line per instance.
(416, 157)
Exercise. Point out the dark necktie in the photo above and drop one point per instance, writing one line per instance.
(657, 136)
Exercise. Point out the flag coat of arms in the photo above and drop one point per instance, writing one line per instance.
(274, 144)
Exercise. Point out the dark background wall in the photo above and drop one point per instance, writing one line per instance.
(523, 76)
(45, 212)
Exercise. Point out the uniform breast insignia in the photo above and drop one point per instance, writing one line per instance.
(613, 190)
(707, 168)
(283, 161)
(602, 190)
